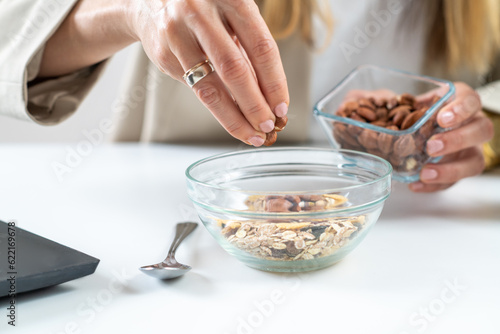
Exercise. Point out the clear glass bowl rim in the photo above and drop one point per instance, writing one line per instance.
(352, 153)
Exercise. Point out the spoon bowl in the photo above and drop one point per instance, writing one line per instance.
(170, 268)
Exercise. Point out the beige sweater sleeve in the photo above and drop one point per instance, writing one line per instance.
(25, 26)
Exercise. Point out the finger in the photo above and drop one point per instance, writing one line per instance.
(243, 52)
(235, 73)
(262, 52)
(466, 104)
(420, 187)
(168, 63)
(455, 167)
(212, 92)
(429, 96)
(477, 131)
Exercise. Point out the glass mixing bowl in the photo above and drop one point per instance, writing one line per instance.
(289, 209)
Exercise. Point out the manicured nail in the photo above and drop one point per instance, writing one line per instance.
(416, 186)
(267, 126)
(281, 109)
(256, 141)
(428, 174)
(447, 117)
(434, 146)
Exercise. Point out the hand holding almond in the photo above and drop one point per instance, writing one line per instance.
(248, 89)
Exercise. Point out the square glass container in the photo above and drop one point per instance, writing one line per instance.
(404, 149)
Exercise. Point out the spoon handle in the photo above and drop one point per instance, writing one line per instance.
(182, 230)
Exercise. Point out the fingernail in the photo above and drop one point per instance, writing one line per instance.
(434, 146)
(447, 117)
(281, 109)
(267, 126)
(416, 186)
(428, 174)
(256, 141)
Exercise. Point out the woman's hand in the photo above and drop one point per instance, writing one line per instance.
(460, 146)
(248, 88)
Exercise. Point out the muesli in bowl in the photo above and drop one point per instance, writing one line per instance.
(289, 209)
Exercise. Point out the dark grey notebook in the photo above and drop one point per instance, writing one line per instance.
(38, 262)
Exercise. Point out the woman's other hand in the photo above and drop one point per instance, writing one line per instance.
(460, 146)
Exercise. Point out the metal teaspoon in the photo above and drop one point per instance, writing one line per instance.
(170, 268)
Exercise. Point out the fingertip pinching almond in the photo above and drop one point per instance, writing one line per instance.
(279, 125)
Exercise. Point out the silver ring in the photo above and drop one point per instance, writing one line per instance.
(198, 72)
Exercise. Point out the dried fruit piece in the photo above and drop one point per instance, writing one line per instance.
(292, 226)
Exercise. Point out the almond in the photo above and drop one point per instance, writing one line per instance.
(367, 114)
(271, 138)
(280, 123)
(366, 103)
(404, 146)
(368, 139)
(400, 116)
(398, 109)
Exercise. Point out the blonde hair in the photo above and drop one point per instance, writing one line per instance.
(461, 32)
(285, 17)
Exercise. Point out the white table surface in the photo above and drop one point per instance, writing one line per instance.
(120, 205)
